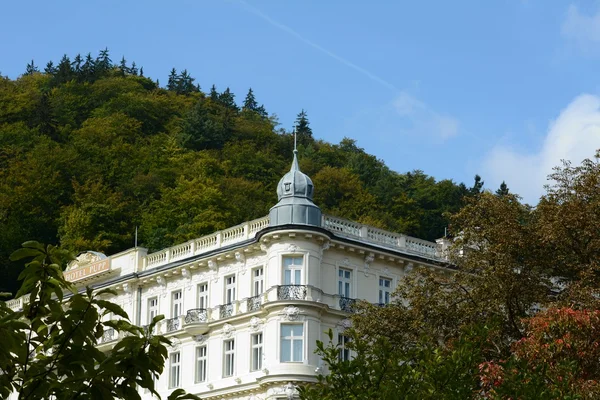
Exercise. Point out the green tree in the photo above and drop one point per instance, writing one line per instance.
(50, 346)
(31, 68)
(503, 189)
(303, 130)
(250, 103)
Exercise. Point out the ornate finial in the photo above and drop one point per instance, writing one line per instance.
(295, 149)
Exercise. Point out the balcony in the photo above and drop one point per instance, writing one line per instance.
(253, 303)
(172, 325)
(108, 336)
(347, 304)
(196, 321)
(291, 292)
(226, 310)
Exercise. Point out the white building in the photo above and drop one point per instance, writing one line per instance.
(245, 306)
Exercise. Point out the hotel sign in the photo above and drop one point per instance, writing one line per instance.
(82, 268)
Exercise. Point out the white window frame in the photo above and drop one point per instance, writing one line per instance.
(176, 303)
(345, 285)
(383, 290)
(256, 346)
(292, 340)
(230, 288)
(202, 296)
(258, 281)
(152, 309)
(228, 358)
(344, 354)
(201, 371)
(174, 370)
(295, 278)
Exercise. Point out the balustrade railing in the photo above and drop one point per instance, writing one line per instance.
(291, 292)
(108, 335)
(253, 303)
(172, 324)
(196, 315)
(226, 310)
(347, 304)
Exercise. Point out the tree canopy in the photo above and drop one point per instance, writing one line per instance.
(515, 317)
(90, 149)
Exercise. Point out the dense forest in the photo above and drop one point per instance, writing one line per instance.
(91, 149)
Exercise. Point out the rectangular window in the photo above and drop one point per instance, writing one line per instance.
(176, 304)
(152, 308)
(385, 290)
(344, 282)
(201, 364)
(258, 281)
(257, 351)
(292, 270)
(174, 369)
(228, 357)
(203, 295)
(292, 343)
(229, 289)
(344, 351)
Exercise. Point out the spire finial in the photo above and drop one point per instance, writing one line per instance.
(295, 149)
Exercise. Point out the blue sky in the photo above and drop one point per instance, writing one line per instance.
(504, 89)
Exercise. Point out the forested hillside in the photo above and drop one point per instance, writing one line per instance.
(91, 148)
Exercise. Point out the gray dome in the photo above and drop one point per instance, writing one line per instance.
(295, 183)
(295, 194)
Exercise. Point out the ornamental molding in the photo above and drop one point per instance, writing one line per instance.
(175, 344)
(345, 324)
(228, 330)
(290, 313)
(199, 339)
(292, 248)
(368, 260)
(255, 324)
(85, 258)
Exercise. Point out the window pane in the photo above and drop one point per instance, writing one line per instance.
(298, 350)
(297, 277)
(288, 277)
(286, 330)
(286, 346)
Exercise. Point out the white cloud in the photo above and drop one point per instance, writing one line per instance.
(423, 120)
(583, 29)
(574, 136)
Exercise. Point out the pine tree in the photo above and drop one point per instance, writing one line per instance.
(228, 99)
(133, 69)
(214, 95)
(502, 190)
(303, 130)
(477, 186)
(185, 85)
(123, 66)
(103, 62)
(50, 68)
(77, 64)
(88, 68)
(142, 71)
(173, 81)
(250, 103)
(31, 69)
(64, 72)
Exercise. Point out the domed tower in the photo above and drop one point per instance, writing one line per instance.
(295, 193)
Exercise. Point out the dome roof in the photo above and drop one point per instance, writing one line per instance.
(295, 183)
(295, 194)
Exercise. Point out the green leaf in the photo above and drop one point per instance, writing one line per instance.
(112, 307)
(21, 253)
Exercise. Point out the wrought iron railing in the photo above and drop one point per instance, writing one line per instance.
(291, 292)
(108, 335)
(347, 304)
(253, 303)
(172, 324)
(196, 315)
(226, 310)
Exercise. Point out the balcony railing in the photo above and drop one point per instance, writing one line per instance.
(196, 315)
(347, 304)
(172, 324)
(291, 292)
(108, 335)
(226, 310)
(253, 303)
